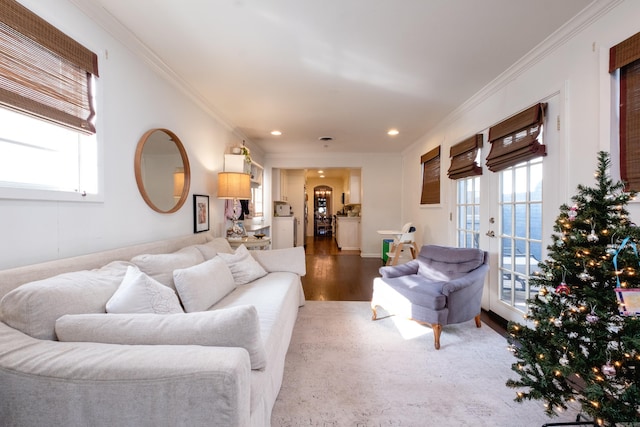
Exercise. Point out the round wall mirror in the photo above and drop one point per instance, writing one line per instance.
(162, 170)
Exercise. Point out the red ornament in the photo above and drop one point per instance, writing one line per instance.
(563, 289)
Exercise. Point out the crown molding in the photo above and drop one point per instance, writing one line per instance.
(120, 32)
(573, 27)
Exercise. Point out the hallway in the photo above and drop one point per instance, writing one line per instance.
(335, 275)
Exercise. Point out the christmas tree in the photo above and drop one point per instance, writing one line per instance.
(577, 344)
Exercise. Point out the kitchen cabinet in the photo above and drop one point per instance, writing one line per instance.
(353, 187)
(284, 232)
(348, 233)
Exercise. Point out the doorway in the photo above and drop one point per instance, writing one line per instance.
(322, 217)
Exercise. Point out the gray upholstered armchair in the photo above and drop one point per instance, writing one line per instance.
(442, 286)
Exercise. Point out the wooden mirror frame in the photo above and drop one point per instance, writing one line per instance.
(185, 163)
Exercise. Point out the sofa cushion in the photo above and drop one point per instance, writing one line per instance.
(244, 268)
(214, 247)
(230, 327)
(442, 263)
(203, 285)
(139, 293)
(34, 307)
(161, 266)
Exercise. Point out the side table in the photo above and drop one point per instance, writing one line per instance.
(251, 243)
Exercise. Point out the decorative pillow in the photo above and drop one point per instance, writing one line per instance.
(34, 307)
(228, 327)
(139, 293)
(161, 266)
(214, 247)
(244, 268)
(203, 285)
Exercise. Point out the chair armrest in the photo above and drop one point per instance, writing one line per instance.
(474, 277)
(406, 269)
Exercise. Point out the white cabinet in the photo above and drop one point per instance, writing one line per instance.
(283, 232)
(353, 188)
(348, 233)
(238, 163)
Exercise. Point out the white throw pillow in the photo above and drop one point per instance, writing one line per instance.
(203, 285)
(244, 268)
(161, 266)
(139, 293)
(211, 249)
(229, 327)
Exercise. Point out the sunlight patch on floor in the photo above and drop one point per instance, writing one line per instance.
(410, 329)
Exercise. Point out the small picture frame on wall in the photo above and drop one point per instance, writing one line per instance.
(200, 213)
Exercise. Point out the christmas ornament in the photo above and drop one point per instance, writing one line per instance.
(608, 369)
(564, 360)
(573, 335)
(543, 291)
(584, 276)
(563, 289)
(592, 317)
(592, 237)
(573, 212)
(557, 322)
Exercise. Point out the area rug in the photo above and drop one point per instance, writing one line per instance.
(343, 369)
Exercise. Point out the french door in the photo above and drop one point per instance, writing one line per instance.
(518, 206)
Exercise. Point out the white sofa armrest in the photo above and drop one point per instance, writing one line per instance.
(55, 383)
(290, 260)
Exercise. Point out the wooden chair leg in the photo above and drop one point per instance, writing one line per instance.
(374, 316)
(477, 319)
(437, 330)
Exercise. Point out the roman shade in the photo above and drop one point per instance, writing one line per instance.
(463, 158)
(43, 72)
(625, 57)
(430, 177)
(515, 139)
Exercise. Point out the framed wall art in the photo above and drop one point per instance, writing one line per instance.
(200, 213)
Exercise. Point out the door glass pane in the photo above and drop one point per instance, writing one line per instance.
(535, 185)
(521, 185)
(521, 220)
(468, 211)
(507, 185)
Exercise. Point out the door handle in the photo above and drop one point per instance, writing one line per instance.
(490, 233)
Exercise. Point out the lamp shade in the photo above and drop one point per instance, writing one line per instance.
(234, 185)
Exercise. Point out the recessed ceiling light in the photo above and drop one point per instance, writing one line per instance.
(321, 176)
(320, 172)
(276, 133)
(393, 132)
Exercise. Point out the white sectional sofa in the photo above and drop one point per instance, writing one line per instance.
(65, 361)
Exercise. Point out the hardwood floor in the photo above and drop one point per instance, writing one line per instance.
(336, 275)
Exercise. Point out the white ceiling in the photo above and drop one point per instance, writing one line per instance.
(348, 69)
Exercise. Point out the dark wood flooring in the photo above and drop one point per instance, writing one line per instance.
(336, 275)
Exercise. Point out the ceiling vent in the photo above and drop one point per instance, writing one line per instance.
(326, 138)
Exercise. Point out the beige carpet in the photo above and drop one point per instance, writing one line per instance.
(343, 369)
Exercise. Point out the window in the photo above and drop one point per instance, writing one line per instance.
(624, 58)
(47, 141)
(430, 177)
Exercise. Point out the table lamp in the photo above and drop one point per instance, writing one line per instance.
(235, 186)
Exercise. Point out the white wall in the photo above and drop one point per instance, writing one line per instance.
(573, 64)
(132, 98)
